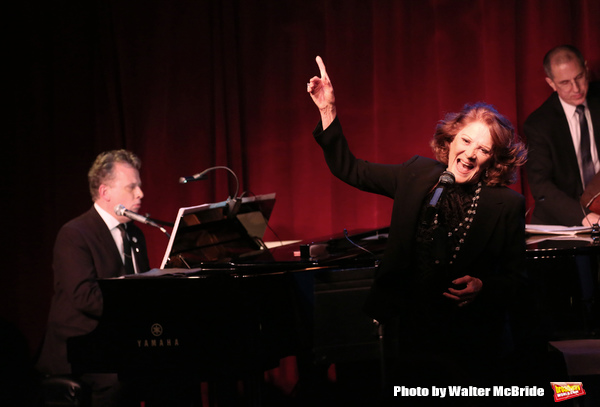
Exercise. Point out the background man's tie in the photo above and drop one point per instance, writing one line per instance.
(586, 151)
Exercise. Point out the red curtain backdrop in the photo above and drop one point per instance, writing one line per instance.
(192, 84)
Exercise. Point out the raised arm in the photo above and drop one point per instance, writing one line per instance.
(321, 92)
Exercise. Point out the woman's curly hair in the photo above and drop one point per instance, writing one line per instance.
(508, 153)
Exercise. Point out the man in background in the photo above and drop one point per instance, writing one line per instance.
(563, 136)
(562, 159)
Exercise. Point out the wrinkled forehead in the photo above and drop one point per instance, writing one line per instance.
(481, 131)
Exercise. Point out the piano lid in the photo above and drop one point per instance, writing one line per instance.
(218, 232)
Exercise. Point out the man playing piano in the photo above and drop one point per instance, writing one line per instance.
(562, 136)
(87, 248)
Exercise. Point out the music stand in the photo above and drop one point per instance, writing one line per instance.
(218, 232)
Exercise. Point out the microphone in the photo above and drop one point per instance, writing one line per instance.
(195, 177)
(446, 179)
(202, 175)
(121, 210)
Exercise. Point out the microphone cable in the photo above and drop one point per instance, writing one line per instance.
(355, 244)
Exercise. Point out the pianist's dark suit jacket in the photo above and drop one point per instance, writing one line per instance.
(83, 252)
(552, 165)
(494, 250)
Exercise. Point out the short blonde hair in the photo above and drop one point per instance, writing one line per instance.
(102, 168)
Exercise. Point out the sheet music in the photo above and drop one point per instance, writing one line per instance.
(180, 214)
(542, 238)
(163, 272)
(557, 230)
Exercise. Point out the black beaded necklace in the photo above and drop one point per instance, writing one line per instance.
(461, 230)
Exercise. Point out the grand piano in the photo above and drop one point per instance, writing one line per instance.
(223, 303)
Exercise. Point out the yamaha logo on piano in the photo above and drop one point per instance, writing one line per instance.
(157, 341)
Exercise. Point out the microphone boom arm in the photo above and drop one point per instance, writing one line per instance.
(202, 175)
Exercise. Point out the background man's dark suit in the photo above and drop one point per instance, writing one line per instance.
(555, 182)
(83, 252)
(552, 167)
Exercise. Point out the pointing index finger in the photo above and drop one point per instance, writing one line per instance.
(321, 66)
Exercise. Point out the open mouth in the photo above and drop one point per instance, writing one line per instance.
(464, 166)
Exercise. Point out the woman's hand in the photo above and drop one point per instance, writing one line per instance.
(321, 92)
(467, 294)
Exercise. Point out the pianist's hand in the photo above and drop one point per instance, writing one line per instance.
(466, 295)
(321, 92)
(591, 219)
